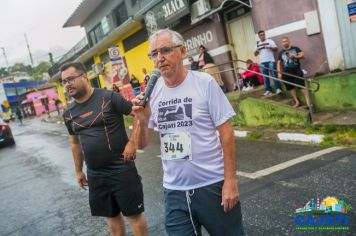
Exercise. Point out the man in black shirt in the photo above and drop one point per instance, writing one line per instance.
(288, 62)
(95, 123)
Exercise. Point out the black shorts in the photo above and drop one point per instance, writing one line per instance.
(110, 195)
(293, 79)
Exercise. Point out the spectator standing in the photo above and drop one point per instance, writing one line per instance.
(289, 62)
(194, 65)
(204, 57)
(265, 49)
(57, 104)
(135, 84)
(19, 115)
(206, 64)
(146, 77)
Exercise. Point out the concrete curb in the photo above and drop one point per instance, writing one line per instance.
(298, 137)
(283, 136)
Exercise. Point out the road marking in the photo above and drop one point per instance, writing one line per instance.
(140, 151)
(284, 165)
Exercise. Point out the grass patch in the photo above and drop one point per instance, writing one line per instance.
(255, 136)
(339, 136)
(328, 129)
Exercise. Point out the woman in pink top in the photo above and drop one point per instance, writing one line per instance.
(204, 57)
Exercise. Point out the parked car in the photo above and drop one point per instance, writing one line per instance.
(6, 136)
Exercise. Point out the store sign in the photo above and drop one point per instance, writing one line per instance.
(351, 7)
(165, 14)
(204, 38)
(114, 53)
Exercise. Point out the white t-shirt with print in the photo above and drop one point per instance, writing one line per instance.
(266, 54)
(189, 114)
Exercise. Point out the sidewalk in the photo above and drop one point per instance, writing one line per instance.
(54, 118)
(338, 118)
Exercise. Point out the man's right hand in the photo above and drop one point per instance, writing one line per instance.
(82, 180)
(141, 113)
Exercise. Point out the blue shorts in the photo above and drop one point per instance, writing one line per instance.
(187, 211)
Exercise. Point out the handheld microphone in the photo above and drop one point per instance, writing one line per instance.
(149, 88)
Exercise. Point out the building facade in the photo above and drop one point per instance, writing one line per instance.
(228, 29)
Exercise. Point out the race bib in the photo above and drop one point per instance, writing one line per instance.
(176, 146)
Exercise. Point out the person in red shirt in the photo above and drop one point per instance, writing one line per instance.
(250, 78)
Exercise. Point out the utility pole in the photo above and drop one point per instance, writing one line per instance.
(4, 53)
(51, 58)
(29, 51)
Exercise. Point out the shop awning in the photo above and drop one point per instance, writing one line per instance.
(26, 101)
(215, 10)
(82, 12)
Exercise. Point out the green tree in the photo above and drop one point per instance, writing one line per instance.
(37, 72)
(3, 72)
(20, 67)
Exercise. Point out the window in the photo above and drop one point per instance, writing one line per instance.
(135, 39)
(236, 12)
(21, 90)
(105, 25)
(10, 91)
(120, 14)
(134, 2)
(96, 34)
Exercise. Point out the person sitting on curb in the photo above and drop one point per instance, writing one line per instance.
(249, 78)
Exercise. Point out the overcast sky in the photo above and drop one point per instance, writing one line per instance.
(42, 21)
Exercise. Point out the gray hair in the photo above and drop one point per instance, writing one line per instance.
(177, 38)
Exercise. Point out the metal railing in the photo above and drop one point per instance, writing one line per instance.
(235, 68)
(314, 84)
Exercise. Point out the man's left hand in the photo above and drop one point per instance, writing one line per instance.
(230, 195)
(129, 153)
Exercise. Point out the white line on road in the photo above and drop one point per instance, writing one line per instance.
(287, 164)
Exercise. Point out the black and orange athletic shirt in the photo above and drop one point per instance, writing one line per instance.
(99, 124)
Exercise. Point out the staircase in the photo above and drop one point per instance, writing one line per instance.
(254, 109)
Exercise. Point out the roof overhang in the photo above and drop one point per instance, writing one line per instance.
(82, 12)
(215, 10)
(119, 32)
(125, 28)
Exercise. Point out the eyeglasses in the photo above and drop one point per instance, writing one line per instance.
(70, 80)
(163, 51)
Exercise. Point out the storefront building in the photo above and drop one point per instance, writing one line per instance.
(228, 29)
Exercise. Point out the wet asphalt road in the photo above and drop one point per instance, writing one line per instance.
(39, 195)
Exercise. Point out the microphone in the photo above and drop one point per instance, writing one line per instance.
(149, 88)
